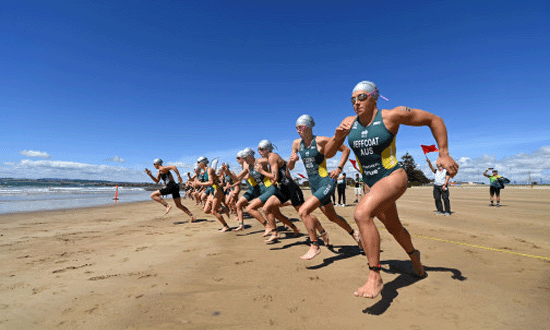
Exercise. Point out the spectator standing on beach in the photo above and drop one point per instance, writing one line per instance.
(358, 187)
(496, 183)
(333, 197)
(341, 186)
(441, 188)
(170, 186)
(371, 135)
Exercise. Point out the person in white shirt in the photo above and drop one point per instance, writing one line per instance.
(441, 189)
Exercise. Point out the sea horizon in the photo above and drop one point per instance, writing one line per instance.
(41, 196)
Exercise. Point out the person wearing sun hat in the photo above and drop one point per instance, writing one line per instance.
(371, 135)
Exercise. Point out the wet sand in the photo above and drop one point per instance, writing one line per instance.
(126, 266)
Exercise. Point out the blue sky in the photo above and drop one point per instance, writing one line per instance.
(98, 89)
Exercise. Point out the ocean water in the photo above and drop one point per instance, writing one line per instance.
(27, 198)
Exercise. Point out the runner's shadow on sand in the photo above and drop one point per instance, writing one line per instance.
(250, 232)
(189, 221)
(287, 235)
(405, 278)
(342, 251)
(283, 231)
(286, 246)
(241, 233)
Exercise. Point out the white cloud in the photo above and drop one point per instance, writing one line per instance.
(70, 170)
(519, 168)
(33, 153)
(116, 159)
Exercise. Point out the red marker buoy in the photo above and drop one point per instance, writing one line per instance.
(116, 194)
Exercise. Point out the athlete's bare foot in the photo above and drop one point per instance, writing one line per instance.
(224, 229)
(240, 228)
(267, 232)
(273, 238)
(372, 288)
(168, 207)
(313, 251)
(193, 219)
(418, 269)
(357, 237)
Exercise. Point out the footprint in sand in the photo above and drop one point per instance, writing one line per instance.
(242, 262)
(70, 268)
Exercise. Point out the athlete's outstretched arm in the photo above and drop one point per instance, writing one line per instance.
(157, 179)
(416, 117)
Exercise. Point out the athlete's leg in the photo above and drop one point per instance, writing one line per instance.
(157, 196)
(183, 208)
(208, 205)
(252, 209)
(216, 197)
(330, 213)
(270, 207)
(390, 218)
(312, 224)
(241, 203)
(382, 194)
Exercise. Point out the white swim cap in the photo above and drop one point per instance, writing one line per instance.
(247, 152)
(240, 154)
(305, 120)
(196, 167)
(203, 160)
(157, 161)
(266, 144)
(367, 86)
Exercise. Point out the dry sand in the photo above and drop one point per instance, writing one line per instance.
(127, 267)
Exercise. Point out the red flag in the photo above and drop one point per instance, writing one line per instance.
(427, 149)
(354, 163)
(302, 176)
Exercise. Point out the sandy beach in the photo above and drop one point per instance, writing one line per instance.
(126, 266)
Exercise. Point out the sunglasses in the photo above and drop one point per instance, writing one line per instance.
(261, 149)
(363, 96)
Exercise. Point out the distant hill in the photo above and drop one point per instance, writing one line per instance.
(74, 182)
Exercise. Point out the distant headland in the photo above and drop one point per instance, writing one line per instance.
(75, 182)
